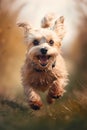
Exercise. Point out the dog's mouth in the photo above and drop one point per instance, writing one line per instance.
(43, 59)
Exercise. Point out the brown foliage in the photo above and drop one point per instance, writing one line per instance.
(79, 49)
(11, 49)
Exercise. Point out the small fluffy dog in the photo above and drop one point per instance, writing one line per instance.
(44, 68)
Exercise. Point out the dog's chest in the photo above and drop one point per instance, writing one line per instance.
(42, 80)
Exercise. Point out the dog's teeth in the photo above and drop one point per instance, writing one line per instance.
(39, 61)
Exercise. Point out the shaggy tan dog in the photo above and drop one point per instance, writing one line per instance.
(44, 68)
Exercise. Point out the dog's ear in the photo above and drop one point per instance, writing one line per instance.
(59, 27)
(47, 20)
(25, 26)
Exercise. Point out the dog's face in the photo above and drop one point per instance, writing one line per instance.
(44, 43)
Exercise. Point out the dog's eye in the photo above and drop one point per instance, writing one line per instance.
(36, 42)
(51, 42)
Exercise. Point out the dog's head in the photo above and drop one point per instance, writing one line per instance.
(44, 43)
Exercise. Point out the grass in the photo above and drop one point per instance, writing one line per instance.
(67, 113)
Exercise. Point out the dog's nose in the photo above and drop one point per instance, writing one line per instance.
(43, 50)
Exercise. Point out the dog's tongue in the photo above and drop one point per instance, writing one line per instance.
(43, 60)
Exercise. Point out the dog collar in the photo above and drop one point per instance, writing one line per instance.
(53, 65)
(39, 70)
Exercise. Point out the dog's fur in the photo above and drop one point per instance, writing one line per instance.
(44, 68)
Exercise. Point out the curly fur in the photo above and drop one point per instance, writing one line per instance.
(48, 72)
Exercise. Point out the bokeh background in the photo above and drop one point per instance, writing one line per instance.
(67, 113)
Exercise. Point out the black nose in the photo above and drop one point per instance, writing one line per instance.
(43, 50)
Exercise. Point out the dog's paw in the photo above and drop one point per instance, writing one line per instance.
(56, 92)
(56, 96)
(35, 105)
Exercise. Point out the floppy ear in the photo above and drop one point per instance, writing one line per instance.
(59, 27)
(26, 28)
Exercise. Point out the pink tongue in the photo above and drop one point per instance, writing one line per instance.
(43, 59)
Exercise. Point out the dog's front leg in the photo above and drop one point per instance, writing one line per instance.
(33, 98)
(55, 91)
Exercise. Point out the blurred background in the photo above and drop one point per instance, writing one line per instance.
(68, 113)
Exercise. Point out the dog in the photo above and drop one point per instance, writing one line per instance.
(44, 68)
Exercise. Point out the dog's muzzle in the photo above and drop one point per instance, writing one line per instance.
(43, 59)
(43, 51)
